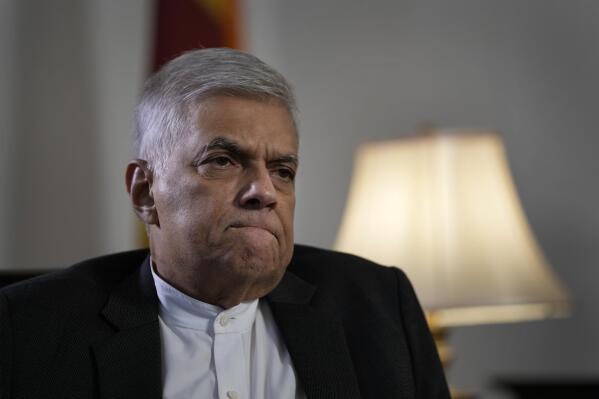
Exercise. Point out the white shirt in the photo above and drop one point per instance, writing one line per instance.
(208, 352)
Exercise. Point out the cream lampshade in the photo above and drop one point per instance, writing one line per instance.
(443, 207)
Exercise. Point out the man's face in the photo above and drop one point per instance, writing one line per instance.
(225, 201)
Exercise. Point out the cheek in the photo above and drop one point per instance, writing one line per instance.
(287, 217)
(290, 209)
(183, 208)
(196, 226)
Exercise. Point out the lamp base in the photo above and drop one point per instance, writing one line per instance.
(457, 394)
(445, 351)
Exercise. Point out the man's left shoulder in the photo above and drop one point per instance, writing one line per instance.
(326, 267)
(326, 260)
(307, 256)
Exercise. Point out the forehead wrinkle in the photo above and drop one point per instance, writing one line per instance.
(205, 106)
(241, 138)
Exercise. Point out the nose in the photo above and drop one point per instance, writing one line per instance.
(259, 191)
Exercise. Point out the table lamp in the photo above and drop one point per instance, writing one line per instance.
(442, 206)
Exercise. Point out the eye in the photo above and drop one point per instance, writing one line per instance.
(221, 161)
(285, 174)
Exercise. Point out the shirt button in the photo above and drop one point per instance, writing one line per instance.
(224, 320)
(232, 395)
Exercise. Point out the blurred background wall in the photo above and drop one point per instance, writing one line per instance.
(70, 74)
(71, 71)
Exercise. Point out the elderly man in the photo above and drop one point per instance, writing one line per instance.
(223, 305)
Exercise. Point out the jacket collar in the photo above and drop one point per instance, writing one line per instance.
(315, 340)
(134, 302)
(129, 363)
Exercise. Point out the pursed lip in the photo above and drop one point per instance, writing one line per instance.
(254, 225)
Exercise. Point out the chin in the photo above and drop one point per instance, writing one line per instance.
(254, 261)
(260, 264)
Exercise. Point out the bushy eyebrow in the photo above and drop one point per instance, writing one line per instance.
(289, 158)
(222, 143)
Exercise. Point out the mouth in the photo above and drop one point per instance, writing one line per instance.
(250, 227)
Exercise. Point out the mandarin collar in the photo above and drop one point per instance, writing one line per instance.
(179, 309)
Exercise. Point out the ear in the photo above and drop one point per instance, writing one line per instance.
(139, 178)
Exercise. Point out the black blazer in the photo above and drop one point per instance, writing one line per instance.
(353, 330)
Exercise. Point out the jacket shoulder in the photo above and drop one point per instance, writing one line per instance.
(308, 259)
(98, 274)
(343, 275)
(48, 324)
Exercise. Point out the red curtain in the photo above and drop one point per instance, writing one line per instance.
(183, 25)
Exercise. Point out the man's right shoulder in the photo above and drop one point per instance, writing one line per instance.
(49, 323)
(94, 276)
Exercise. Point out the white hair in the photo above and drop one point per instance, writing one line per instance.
(168, 104)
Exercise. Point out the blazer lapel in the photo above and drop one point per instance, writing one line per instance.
(129, 362)
(315, 341)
